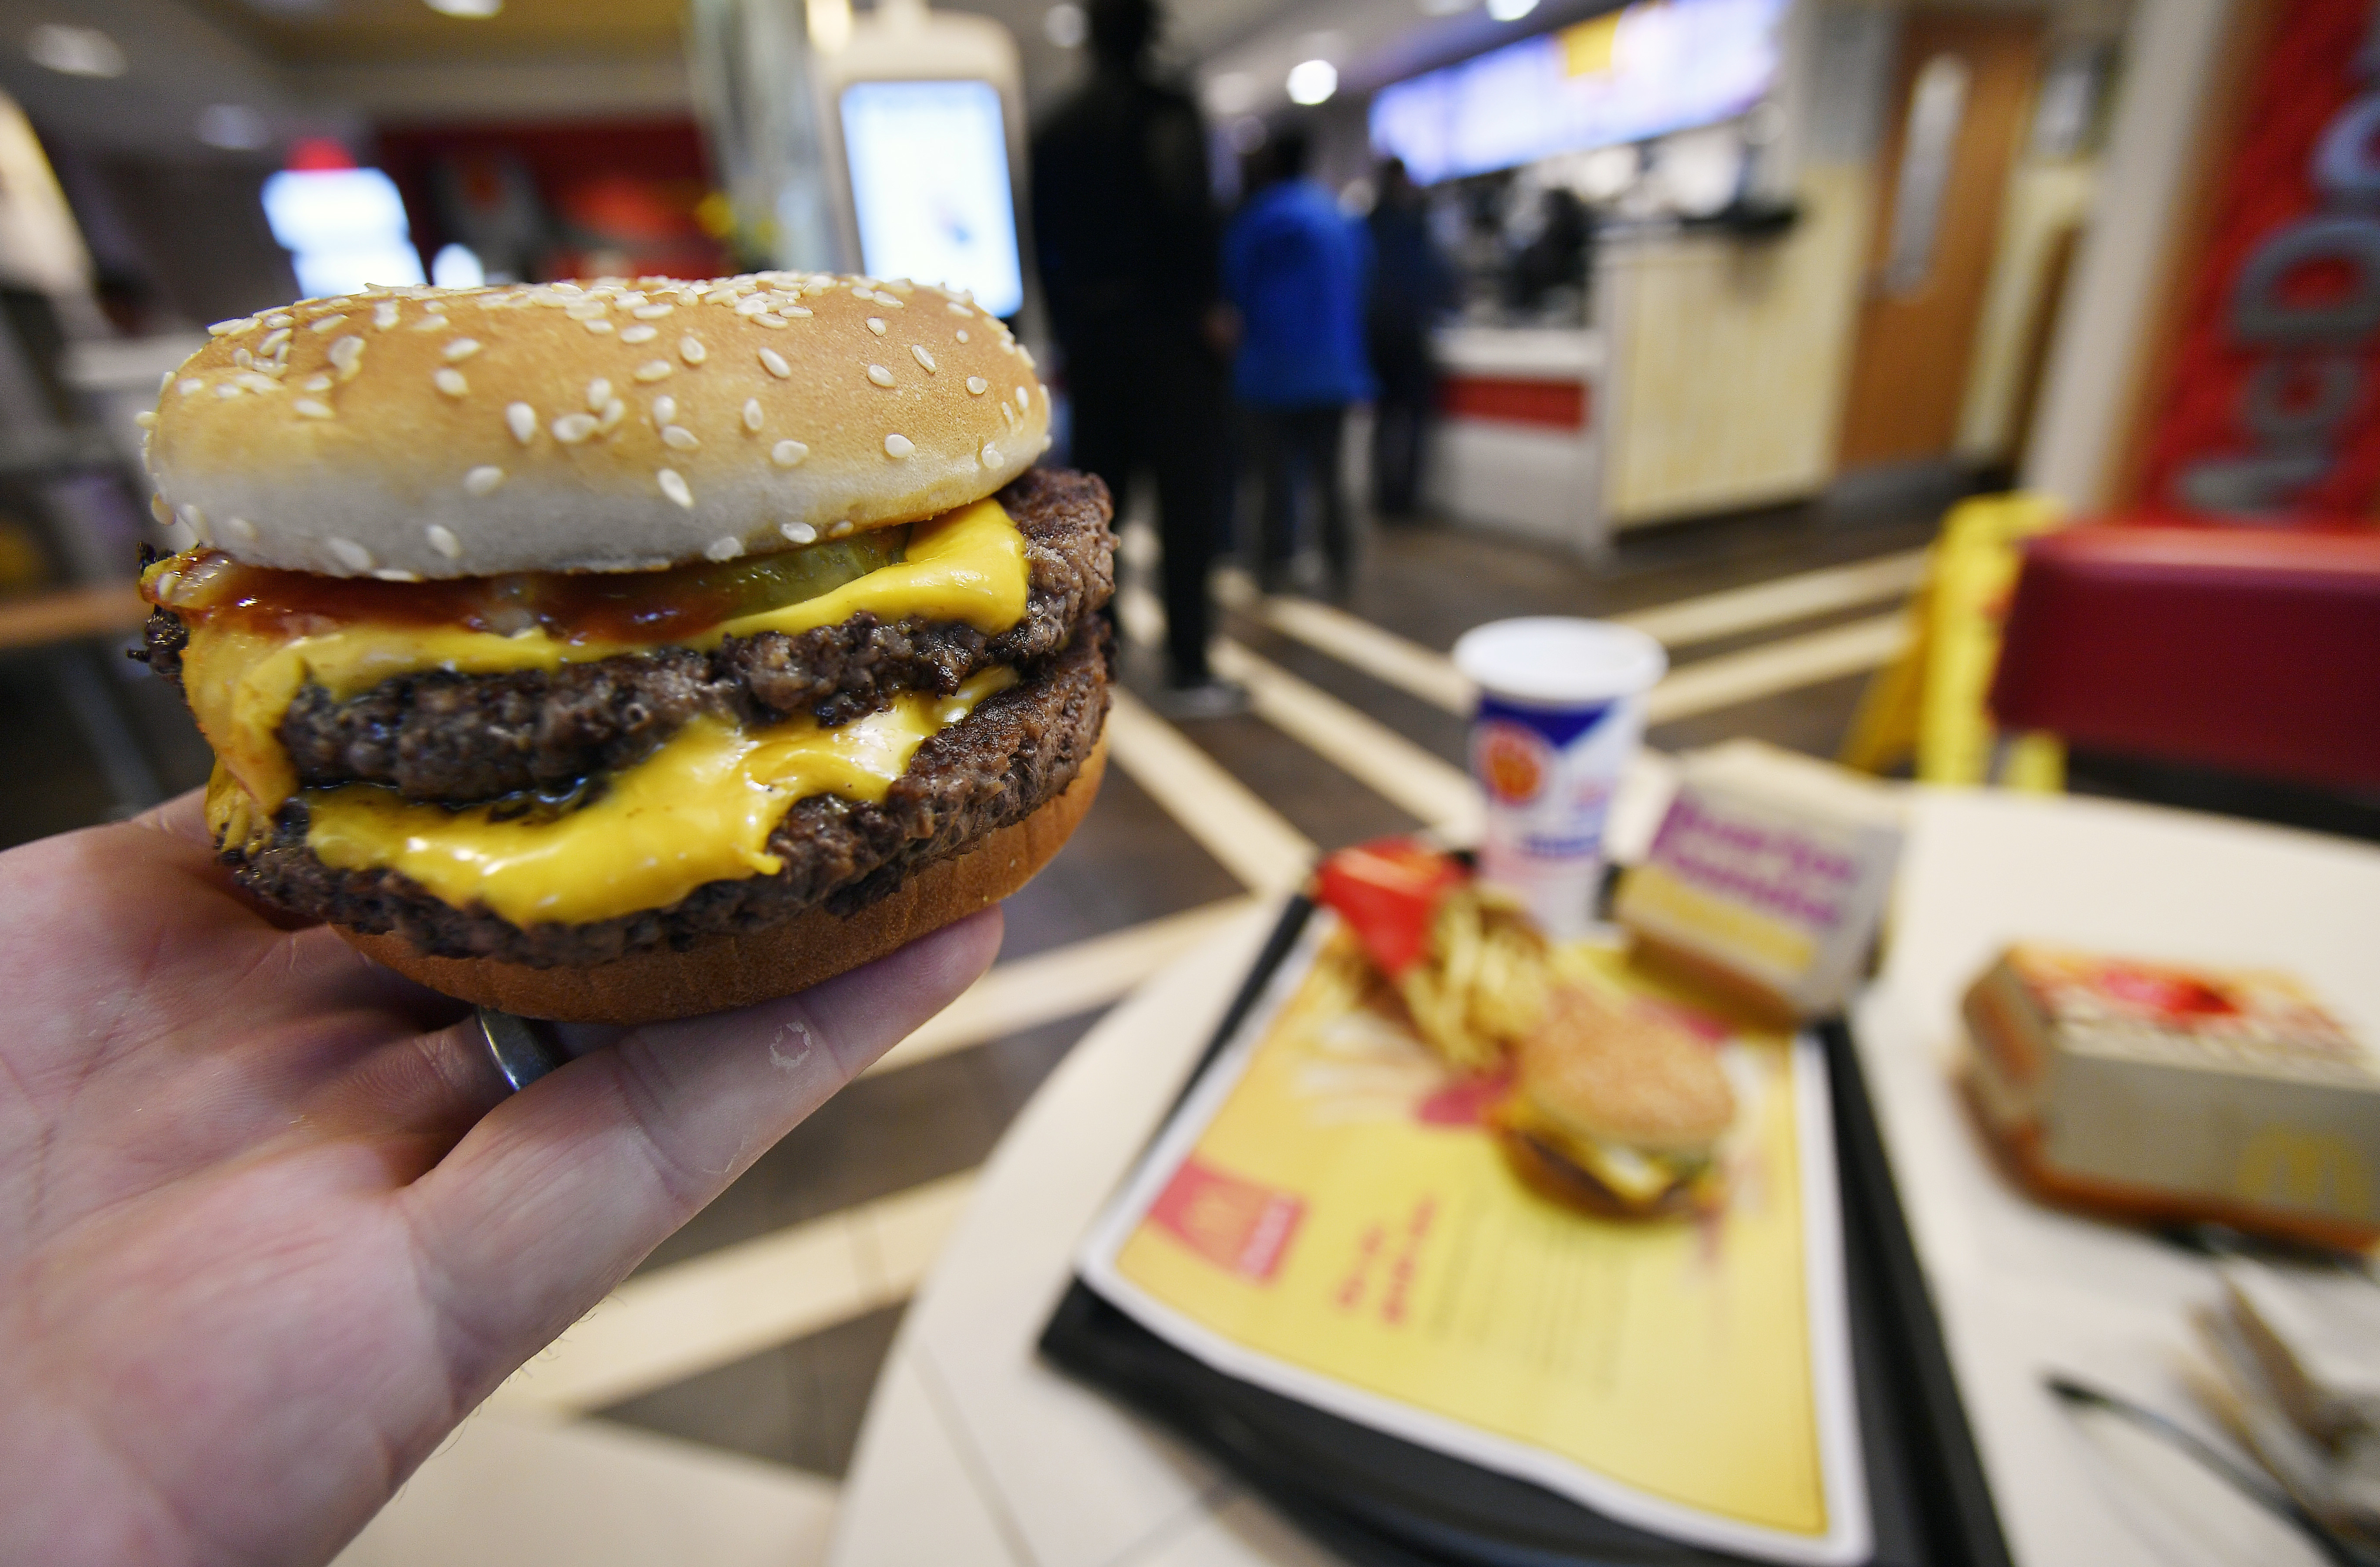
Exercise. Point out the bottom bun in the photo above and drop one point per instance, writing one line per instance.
(721, 972)
(1558, 1180)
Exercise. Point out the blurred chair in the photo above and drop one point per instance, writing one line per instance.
(2255, 651)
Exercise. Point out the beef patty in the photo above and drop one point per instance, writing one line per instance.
(462, 738)
(1014, 753)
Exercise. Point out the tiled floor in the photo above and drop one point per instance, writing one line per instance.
(797, 1404)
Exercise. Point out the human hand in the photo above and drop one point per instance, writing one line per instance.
(270, 1222)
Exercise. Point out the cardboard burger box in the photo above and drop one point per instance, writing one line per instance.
(2172, 1094)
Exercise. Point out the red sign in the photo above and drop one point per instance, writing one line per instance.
(2274, 406)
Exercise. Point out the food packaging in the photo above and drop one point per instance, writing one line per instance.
(2176, 1094)
(1766, 880)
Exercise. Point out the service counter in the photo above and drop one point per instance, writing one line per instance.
(1517, 444)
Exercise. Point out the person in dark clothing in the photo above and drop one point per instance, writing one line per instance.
(1411, 285)
(1125, 224)
(1296, 270)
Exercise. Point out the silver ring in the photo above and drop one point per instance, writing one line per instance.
(525, 1050)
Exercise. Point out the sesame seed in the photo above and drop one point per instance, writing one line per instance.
(146, 419)
(240, 529)
(664, 409)
(990, 455)
(194, 519)
(918, 352)
(963, 335)
(898, 446)
(958, 310)
(323, 324)
(840, 530)
(191, 386)
(482, 479)
(880, 375)
(861, 291)
(165, 382)
(312, 407)
(654, 369)
(691, 350)
(609, 419)
(651, 312)
(775, 324)
(226, 390)
(799, 532)
(451, 381)
(587, 309)
(256, 383)
(385, 314)
(318, 383)
(276, 341)
(597, 327)
(1027, 355)
(232, 328)
(794, 311)
(1010, 415)
(352, 555)
(639, 334)
(776, 364)
(443, 540)
(1024, 398)
(393, 574)
(788, 453)
(243, 359)
(346, 356)
(884, 298)
(462, 348)
(978, 385)
(876, 325)
(571, 429)
(565, 288)
(279, 320)
(752, 414)
(719, 549)
(598, 392)
(523, 420)
(673, 485)
(678, 438)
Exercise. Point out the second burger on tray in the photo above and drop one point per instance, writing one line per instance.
(632, 650)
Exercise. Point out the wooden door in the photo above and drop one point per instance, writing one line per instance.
(1960, 97)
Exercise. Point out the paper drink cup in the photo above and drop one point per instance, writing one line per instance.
(1560, 711)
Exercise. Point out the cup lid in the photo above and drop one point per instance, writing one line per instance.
(1553, 659)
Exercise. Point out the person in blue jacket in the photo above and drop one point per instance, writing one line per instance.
(1296, 270)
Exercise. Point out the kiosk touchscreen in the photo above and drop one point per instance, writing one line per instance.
(930, 186)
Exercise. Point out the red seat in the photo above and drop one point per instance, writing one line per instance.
(2252, 650)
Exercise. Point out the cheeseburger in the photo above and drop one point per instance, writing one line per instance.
(1616, 1111)
(634, 650)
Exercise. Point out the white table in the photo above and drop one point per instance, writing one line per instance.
(975, 1453)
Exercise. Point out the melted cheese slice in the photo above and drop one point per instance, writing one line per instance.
(967, 565)
(698, 810)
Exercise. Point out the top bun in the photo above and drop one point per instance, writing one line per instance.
(613, 426)
(1631, 1076)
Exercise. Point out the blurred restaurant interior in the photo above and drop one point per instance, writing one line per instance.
(1970, 405)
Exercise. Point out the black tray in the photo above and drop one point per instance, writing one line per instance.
(1376, 1499)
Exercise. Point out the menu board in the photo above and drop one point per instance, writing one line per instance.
(1328, 1216)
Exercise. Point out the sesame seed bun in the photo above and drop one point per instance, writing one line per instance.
(1629, 1077)
(435, 432)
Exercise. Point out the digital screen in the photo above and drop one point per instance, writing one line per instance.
(1640, 72)
(929, 183)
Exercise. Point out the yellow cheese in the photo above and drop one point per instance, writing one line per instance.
(698, 810)
(1637, 1175)
(967, 565)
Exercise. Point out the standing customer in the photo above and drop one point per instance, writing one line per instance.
(1123, 219)
(1411, 287)
(1297, 271)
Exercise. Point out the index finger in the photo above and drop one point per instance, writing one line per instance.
(561, 1190)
